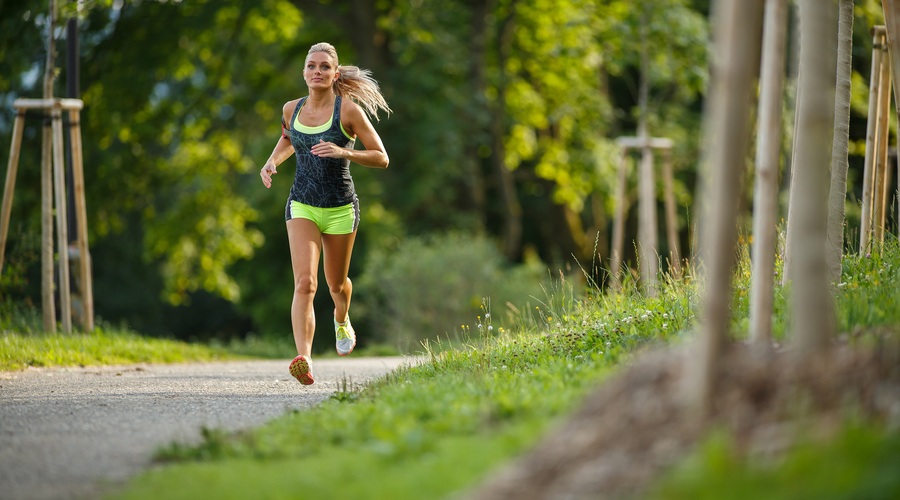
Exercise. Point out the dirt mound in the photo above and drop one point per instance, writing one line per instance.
(637, 424)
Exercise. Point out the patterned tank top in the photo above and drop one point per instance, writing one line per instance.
(321, 182)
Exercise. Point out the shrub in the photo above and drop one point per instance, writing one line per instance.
(426, 285)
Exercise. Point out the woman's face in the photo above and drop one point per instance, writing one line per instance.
(320, 70)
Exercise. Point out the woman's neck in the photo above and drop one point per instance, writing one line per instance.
(321, 99)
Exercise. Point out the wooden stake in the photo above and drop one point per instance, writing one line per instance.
(618, 241)
(648, 228)
(881, 147)
(62, 248)
(9, 187)
(865, 231)
(671, 219)
(48, 302)
(84, 261)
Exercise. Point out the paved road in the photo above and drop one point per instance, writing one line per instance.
(79, 432)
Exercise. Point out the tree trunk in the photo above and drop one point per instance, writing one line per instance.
(840, 149)
(736, 29)
(48, 303)
(768, 153)
(811, 296)
(647, 241)
(512, 209)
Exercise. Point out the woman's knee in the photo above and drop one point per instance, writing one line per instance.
(341, 287)
(305, 285)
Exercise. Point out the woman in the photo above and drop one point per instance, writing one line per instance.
(322, 211)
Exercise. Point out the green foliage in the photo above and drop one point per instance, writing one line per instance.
(860, 462)
(428, 287)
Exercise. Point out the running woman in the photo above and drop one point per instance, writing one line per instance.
(322, 211)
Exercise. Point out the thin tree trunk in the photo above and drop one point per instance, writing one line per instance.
(48, 304)
(512, 233)
(840, 148)
(648, 241)
(811, 296)
(736, 42)
(768, 153)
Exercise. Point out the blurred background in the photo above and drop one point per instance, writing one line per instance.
(502, 145)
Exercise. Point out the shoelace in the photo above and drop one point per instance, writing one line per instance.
(342, 333)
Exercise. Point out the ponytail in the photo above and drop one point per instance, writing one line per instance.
(355, 83)
(359, 85)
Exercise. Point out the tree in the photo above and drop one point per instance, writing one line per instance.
(736, 27)
(768, 148)
(840, 148)
(811, 291)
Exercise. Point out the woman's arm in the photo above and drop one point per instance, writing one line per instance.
(356, 123)
(282, 151)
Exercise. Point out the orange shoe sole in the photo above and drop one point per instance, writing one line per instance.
(300, 370)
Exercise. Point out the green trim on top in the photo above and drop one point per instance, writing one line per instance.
(318, 128)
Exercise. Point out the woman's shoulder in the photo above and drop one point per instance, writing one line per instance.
(289, 106)
(349, 108)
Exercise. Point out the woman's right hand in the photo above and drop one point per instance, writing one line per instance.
(266, 174)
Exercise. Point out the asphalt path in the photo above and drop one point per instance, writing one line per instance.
(76, 433)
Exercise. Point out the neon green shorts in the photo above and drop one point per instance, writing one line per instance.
(336, 220)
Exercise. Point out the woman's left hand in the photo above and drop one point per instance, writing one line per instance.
(327, 150)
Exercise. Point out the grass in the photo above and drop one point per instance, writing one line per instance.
(860, 462)
(437, 429)
(102, 347)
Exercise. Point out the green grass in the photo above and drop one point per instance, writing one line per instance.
(435, 430)
(860, 462)
(19, 351)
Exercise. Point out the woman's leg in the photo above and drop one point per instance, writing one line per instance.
(337, 249)
(304, 239)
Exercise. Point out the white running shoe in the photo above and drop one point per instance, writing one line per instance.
(345, 337)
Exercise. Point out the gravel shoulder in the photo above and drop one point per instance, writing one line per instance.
(79, 432)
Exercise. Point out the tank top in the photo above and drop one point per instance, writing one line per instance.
(321, 182)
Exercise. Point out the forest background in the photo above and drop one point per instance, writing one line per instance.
(502, 144)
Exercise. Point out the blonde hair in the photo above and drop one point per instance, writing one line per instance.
(355, 83)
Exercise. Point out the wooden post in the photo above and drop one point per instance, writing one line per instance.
(865, 230)
(892, 29)
(62, 247)
(647, 230)
(881, 147)
(647, 226)
(48, 298)
(53, 192)
(8, 187)
(618, 240)
(671, 219)
(84, 262)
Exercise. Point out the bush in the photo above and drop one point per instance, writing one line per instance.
(426, 285)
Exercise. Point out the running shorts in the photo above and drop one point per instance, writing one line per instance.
(336, 220)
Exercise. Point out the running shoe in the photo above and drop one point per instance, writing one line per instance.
(345, 337)
(301, 369)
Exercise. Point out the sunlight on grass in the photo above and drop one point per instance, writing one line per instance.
(18, 351)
